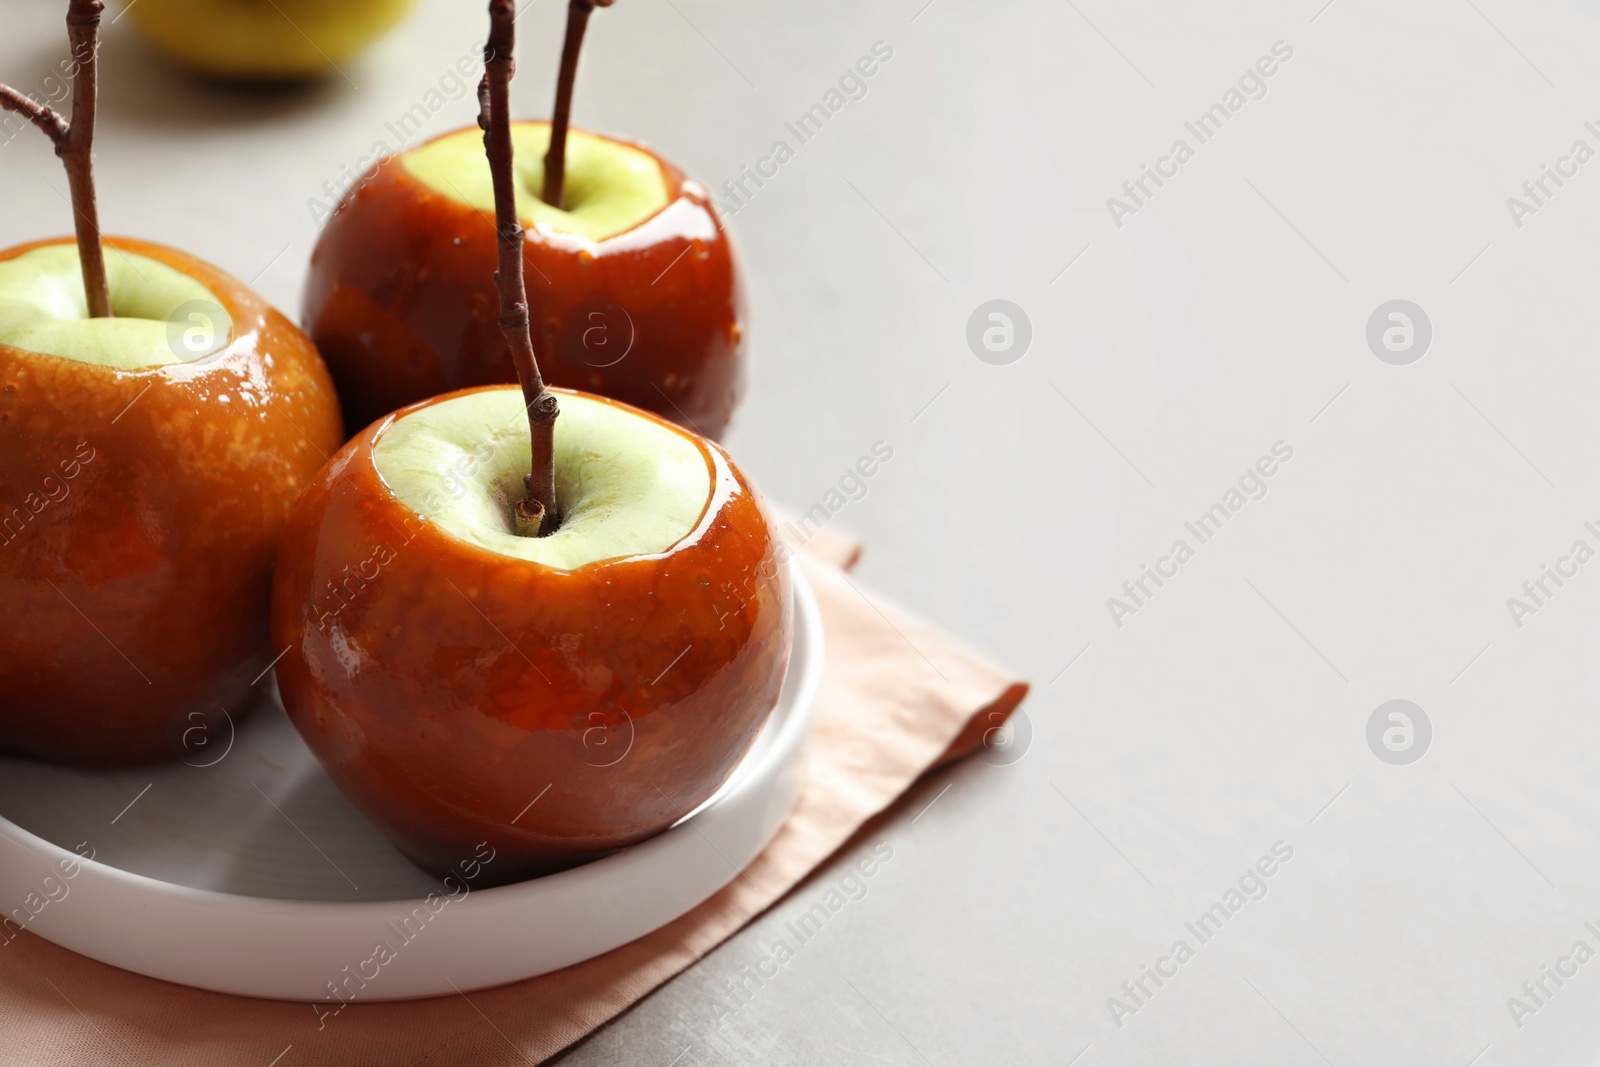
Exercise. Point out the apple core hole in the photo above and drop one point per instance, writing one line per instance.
(574, 193)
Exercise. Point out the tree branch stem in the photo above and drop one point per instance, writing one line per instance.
(555, 157)
(52, 124)
(537, 516)
(76, 150)
(74, 145)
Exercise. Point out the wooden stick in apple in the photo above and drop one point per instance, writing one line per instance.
(537, 515)
(74, 144)
(555, 157)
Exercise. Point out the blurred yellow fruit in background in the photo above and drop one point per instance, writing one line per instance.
(264, 39)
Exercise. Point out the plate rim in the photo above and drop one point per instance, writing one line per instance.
(762, 769)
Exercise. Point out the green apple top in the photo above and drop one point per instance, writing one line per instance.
(611, 187)
(626, 483)
(162, 316)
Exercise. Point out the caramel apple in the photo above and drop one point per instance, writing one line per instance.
(629, 267)
(446, 671)
(144, 492)
(157, 421)
(547, 622)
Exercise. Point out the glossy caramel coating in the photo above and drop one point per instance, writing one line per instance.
(141, 516)
(401, 301)
(444, 686)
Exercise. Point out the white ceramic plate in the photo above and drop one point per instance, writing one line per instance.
(244, 870)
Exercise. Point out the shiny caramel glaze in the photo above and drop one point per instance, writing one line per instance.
(446, 688)
(141, 516)
(401, 301)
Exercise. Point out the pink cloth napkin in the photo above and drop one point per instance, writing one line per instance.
(899, 697)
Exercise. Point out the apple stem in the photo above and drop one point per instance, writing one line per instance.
(536, 516)
(74, 144)
(555, 157)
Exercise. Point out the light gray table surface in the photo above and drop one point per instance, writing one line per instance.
(1176, 340)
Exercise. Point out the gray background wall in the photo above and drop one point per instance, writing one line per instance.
(1226, 313)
